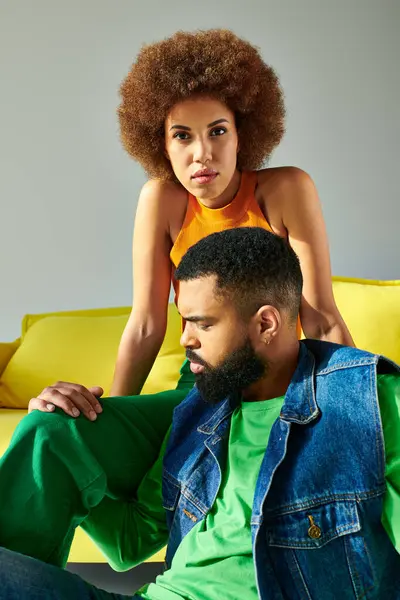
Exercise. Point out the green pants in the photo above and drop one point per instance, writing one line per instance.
(60, 472)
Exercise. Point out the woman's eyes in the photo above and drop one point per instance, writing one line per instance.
(218, 131)
(183, 136)
(180, 135)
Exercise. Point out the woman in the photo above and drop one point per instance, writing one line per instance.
(201, 112)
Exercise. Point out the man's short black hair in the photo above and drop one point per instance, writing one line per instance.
(252, 266)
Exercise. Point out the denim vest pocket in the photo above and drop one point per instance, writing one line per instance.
(313, 527)
(320, 551)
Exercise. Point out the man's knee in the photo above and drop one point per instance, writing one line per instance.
(39, 425)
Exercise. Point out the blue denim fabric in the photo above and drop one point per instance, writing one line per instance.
(25, 578)
(316, 520)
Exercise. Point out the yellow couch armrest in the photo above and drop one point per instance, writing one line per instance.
(7, 349)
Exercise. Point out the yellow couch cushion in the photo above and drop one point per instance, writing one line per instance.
(371, 310)
(6, 352)
(81, 347)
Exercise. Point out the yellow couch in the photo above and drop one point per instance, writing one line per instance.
(81, 346)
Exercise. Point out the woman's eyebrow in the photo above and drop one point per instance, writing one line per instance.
(186, 128)
(180, 127)
(217, 122)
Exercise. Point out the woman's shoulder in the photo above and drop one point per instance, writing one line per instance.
(164, 198)
(281, 179)
(279, 187)
(163, 202)
(163, 189)
(283, 191)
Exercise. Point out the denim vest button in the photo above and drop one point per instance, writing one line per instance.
(314, 531)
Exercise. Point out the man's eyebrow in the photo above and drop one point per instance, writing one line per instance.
(186, 128)
(196, 318)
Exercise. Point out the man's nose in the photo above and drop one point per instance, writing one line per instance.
(188, 337)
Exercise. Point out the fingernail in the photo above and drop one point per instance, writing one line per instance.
(75, 412)
(92, 415)
(98, 408)
(50, 406)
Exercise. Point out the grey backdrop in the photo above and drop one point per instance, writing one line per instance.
(67, 190)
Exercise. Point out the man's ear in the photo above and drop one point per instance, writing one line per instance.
(268, 323)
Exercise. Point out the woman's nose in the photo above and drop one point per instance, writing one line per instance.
(202, 151)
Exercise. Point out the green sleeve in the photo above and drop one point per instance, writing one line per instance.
(389, 402)
(148, 529)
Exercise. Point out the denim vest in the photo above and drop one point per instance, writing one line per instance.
(316, 518)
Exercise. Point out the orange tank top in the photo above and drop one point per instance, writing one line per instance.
(201, 221)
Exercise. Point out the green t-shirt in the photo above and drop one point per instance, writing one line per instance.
(215, 559)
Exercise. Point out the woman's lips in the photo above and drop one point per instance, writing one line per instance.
(203, 179)
(204, 176)
(196, 368)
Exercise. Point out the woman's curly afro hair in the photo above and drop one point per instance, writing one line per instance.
(214, 63)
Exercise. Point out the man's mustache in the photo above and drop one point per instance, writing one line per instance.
(193, 357)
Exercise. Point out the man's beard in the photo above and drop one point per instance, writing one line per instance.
(238, 371)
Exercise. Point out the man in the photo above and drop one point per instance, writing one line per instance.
(272, 483)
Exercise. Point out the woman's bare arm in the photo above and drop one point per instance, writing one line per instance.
(304, 222)
(145, 330)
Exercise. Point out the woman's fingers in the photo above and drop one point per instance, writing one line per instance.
(50, 398)
(72, 398)
(71, 389)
